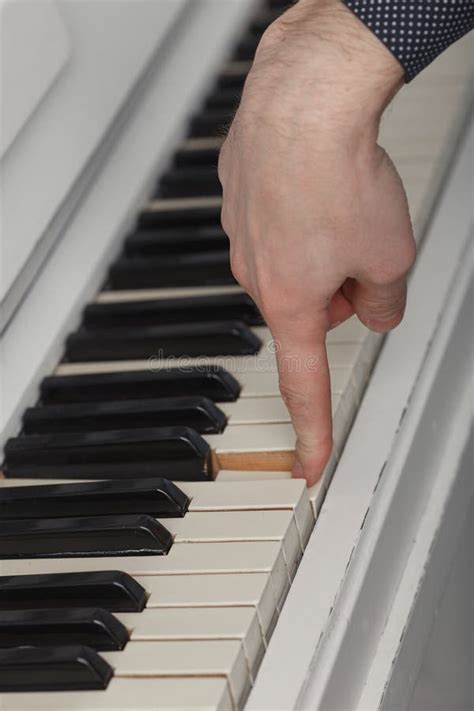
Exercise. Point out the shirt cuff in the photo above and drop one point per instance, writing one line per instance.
(415, 32)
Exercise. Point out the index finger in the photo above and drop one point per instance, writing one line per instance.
(305, 388)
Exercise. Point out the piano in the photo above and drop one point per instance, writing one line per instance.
(154, 551)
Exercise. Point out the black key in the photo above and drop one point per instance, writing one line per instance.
(263, 20)
(210, 123)
(210, 268)
(93, 627)
(89, 536)
(181, 214)
(247, 47)
(280, 4)
(223, 98)
(173, 452)
(196, 412)
(112, 590)
(219, 307)
(197, 157)
(214, 338)
(176, 240)
(232, 79)
(156, 497)
(189, 182)
(72, 668)
(212, 382)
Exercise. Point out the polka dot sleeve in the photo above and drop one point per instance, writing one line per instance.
(417, 31)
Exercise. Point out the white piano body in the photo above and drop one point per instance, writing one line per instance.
(380, 613)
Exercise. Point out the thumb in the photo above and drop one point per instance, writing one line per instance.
(379, 306)
(305, 388)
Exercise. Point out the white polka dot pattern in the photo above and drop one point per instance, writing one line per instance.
(417, 31)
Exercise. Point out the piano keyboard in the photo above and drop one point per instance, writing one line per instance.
(150, 527)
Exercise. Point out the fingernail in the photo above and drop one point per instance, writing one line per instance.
(298, 470)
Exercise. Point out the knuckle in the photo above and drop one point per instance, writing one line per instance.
(222, 164)
(226, 219)
(396, 267)
(408, 256)
(237, 267)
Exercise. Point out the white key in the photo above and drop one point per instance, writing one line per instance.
(183, 659)
(253, 590)
(339, 355)
(224, 526)
(267, 410)
(233, 475)
(197, 144)
(264, 384)
(238, 67)
(256, 411)
(180, 204)
(229, 526)
(194, 623)
(110, 297)
(142, 694)
(262, 495)
(184, 559)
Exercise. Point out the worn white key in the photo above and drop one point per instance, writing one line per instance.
(201, 658)
(137, 694)
(253, 447)
(253, 590)
(194, 623)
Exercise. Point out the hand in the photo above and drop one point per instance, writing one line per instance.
(315, 211)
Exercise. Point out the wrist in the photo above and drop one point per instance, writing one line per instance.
(349, 76)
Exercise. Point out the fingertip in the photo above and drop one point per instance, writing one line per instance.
(312, 468)
(297, 472)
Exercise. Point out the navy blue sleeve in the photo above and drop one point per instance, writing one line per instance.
(415, 31)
